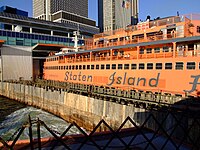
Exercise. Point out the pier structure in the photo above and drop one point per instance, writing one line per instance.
(86, 104)
(106, 110)
(20, 59)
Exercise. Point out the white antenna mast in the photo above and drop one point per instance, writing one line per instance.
(75, 39)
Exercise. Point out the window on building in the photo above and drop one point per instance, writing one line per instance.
(141, 66)
(76, 67)
(168, 66)
(158, 66)
(179, 65)
(20, 42)
(150, 66)
(80, 67)
(190, 65)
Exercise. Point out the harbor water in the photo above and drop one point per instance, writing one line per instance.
(14, 114)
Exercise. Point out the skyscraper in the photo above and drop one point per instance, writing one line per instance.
(43, 9)
(115, 14)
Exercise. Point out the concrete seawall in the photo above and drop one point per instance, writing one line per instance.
(85, 111)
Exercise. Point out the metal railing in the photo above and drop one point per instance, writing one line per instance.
(174, 129)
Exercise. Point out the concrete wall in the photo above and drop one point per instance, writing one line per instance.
(85, 111)
(16, 62)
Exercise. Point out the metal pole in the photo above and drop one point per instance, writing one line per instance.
(38, 134)
(30, 133)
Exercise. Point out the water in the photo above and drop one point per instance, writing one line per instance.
(14, 115)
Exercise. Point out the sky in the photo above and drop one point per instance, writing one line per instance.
(154, 8)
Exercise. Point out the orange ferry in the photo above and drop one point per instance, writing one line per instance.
(159, 56)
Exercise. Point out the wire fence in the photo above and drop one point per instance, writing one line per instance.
(160, 130)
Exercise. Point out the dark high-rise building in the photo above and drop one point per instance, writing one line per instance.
(11, 10)
(116, 14)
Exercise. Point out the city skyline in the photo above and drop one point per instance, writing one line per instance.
(155, 9)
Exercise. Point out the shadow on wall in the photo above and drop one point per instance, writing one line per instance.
(180, 121)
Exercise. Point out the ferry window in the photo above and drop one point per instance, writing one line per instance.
(107, 66)
(84, 67)
(113, 66)
(165, 49)
(179, 65)
(121, 38)
(149, 50)
(141, 66)
(141, 51)
(70, 67)
(121, 53)
(97, 66)
(76, 67)
(157, 50)
(198, 29)
(133, 66)
(88, 66)
(67, 67)
(92, 66)
(190, 65)
(158, 65)
(126, 66)
(102, 66)
(119, 66)
(73, 67)
(115, 53)
(150, 66)
(168, 65)
(80, 67)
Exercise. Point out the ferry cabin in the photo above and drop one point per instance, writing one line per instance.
(157, 56)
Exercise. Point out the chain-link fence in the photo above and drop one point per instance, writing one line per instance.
(160, 130)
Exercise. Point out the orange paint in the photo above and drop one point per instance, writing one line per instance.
(153, 59)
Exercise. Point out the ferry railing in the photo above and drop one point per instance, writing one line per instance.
(174, 128)
(130, 56)
(155, 37)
